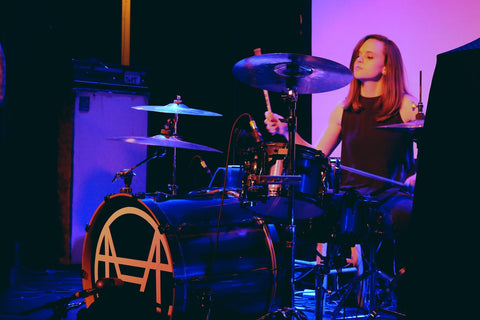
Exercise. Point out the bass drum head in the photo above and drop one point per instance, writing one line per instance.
(124, 241)
(169, 251)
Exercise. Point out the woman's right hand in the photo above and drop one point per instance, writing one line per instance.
(275, 125)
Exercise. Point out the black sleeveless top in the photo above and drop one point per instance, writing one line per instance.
(378, 151)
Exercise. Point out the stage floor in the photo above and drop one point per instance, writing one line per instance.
(33, 294)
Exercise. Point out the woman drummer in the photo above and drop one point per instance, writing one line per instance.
(377, 97)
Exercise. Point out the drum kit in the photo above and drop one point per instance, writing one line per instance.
(211, 257)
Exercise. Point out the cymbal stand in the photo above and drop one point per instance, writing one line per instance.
(291, 97)
(420, 115)
(416, 137)
(173, 186)
(289, 311)
(170, 129)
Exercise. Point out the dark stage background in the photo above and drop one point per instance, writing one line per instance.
(187, 47)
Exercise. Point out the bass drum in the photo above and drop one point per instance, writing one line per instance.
(169, 250)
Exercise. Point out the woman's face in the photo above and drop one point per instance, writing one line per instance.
(370, 63)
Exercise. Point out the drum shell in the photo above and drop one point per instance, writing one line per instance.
(243, 278)
(272, 158)
(313, 166)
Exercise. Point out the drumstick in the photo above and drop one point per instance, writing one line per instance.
(258, 51)
(370, 175)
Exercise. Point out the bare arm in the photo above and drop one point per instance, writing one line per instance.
(408, 109)
(276, 126)
(328, 142)
(331, 138)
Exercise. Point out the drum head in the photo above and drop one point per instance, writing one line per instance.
(124, 241)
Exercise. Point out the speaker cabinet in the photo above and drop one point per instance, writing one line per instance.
(88, 160)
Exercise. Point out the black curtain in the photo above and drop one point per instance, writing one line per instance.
(188, 49)
(444, 235)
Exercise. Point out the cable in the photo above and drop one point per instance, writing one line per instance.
(210, 267)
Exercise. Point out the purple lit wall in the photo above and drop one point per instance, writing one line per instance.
(421, 28)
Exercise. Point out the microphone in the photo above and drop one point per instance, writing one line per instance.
(100, 285)
(255, 132)
(204, 165)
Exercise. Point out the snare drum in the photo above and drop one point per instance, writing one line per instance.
(271, 159)
(169, 250)
(313, 167)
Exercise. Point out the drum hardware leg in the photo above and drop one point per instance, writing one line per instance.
(319, 292)
(391, 286)
(323, 267)
(321, 271)
(284, 313)
(371, 277)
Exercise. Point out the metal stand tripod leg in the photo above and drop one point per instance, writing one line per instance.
(369, 276)
(379, 308)
(325, 266)
(319, 293)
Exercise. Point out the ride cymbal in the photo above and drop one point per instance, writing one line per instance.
(279, 72)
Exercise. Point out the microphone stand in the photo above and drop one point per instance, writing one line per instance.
(127, 175)
(61, 306)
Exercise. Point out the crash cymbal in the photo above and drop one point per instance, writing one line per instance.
(407, 127)
(277, 72)
(164, 141)
(177, 107)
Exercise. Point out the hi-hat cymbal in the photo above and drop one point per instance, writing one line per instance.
(278, 72)
(407, 127)
(164, 141)
(177, 107)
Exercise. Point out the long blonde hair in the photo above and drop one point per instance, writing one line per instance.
(394, 79)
